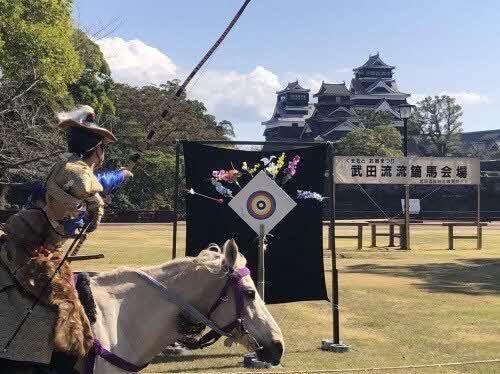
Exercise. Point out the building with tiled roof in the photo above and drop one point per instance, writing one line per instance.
(290, 113)
(334, 114)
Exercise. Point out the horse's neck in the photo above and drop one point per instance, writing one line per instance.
(134, 321)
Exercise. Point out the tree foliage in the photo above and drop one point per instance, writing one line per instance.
(36, 45)
(137, 108)
(375, 135)
(47, 65)
(382, 140)
(371, 119)
(94, 86)
(438, 120)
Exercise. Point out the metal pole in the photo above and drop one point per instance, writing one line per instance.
(407, 217)
(334, 345)
(479, 230)
(261, 273)
(333, 249)
(407, 190)
(176, 198)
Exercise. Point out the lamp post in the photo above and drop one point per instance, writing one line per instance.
(405, 113)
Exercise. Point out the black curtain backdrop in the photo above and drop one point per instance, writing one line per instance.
(294, 256)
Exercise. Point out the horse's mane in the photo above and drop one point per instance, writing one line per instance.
(210, 259)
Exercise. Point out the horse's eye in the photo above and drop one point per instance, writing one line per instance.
(250, 294)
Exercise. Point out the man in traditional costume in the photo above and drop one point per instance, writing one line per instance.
(69, 198)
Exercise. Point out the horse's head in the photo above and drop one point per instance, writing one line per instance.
(258, 330)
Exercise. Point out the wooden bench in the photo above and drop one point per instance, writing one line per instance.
(359, 235)
(452, 237)
(392, 234)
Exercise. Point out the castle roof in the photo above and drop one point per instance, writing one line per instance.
(374, 62)
(333, 89)
(293, 86)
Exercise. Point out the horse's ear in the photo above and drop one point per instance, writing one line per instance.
(214, 248)
(230, 253)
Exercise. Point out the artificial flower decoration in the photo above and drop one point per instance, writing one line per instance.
(226, 192)
(291, 169)
(309, 195)
(266, 161)
(253, 170)
(281, 161)
(230, 176)
(272, 169)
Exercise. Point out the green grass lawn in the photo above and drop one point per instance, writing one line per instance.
(398, 308)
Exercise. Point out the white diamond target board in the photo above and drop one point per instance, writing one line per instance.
(262, 201)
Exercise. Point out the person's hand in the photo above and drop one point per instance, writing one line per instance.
(94, 219)
(127, 173)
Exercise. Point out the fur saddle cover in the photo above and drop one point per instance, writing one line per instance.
(72, 332)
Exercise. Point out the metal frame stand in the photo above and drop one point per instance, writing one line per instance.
(479, 230)
(335, 344)
(250, 360)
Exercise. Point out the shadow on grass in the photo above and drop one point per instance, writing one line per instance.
(161, 359)
(469, 277)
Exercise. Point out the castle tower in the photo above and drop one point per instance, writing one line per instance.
(374, 87)
(290, 112)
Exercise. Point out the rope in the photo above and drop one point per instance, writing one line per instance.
(374, 202)
(446, 364)
(422, 198)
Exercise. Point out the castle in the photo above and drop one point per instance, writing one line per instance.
(334, 114)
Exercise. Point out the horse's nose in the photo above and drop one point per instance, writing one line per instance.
(271, 352)
(277, 351)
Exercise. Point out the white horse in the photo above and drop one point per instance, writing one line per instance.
(136, 321)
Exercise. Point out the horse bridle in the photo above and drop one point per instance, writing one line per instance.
(234, 282)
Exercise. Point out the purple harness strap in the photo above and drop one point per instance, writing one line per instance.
(98, 350)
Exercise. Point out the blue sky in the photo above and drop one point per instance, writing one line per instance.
(438, 47)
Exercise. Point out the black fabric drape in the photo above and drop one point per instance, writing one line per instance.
(294, 256)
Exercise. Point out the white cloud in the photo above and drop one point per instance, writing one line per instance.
(463, 97)
(238, 96)
(136, 63)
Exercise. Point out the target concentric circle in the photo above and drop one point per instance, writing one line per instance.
(261, 205)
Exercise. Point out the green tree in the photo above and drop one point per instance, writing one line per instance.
(95, 85)
(371, 119)
(382, 140)
(36, 46)
(136, 109)
(438, 119)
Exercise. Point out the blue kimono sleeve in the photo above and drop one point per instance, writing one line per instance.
(111, 180)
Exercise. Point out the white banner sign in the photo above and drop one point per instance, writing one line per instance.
(402, 170)
(414, 206)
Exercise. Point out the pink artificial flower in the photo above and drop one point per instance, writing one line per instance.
(230, 176)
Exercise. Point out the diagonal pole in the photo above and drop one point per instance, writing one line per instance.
(166, 112)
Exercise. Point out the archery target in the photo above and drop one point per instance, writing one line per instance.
(262, 202)
(261, 205)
